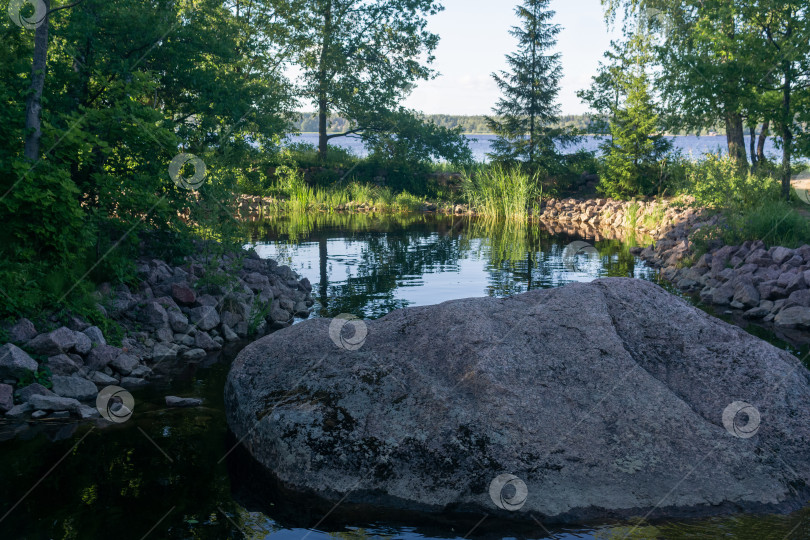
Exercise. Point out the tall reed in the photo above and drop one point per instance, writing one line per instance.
(502, 192)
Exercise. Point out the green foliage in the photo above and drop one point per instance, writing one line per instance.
(717, 182)
(503, 192)
(528, 108)
(129, 84)
(361, 59)
(775, 222)
(258, 313)
(634, 162)
(42, 376)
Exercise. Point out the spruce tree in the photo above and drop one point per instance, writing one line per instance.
(528, 108)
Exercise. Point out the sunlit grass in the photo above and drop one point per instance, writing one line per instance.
(502, 192)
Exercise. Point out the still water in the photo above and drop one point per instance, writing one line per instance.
(481, 145)
(175, 474)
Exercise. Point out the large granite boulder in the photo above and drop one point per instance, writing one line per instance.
(608, 399)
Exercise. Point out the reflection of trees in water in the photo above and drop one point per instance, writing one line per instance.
(385, 260)
(393, 249)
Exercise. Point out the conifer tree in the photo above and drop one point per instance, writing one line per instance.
(528, 108)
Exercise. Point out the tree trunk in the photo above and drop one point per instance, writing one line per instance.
(323, 124)
(763, 136)
(753, 146)
(787, 132)
(736, 139)
(33, 105)
(323, 84)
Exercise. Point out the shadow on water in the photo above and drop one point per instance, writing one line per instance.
(164, 474)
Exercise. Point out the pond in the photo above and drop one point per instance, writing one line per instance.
(174, 473)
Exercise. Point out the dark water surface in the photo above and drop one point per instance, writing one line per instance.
(175, 473)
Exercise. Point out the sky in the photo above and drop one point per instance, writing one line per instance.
(475, 39)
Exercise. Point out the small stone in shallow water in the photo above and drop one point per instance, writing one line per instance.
(194, 354)
(18, 411)
(174, 401)
(36, 415)
(133, 383)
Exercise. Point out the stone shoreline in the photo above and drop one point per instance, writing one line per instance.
(177, 316)
(767, 284)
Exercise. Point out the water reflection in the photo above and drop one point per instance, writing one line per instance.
(369, 265)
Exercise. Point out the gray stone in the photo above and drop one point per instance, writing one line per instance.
(793, 317)
(141, 372)
(22, 331)
(174, 401)
(795, 284)
(208, 300)
(86, 412)
(36, 415)
(165, 334)
(231, 319)
(204, 341)
(62, 364)
(102, 379)
(101, 356)
(59, 341)
(194, 354)
(723, 294)
(95, 335)
(124, 364)
(15, 362)
(241, 329)
(178, 321)
(746, 294)
(183, 294)
(758, 312)
(34, 389)
(799, 298)
(18, 411)
(54, 403)
(603, 398)
(133, 383)
(162, 353)
(184, 339)
(229, 334)
(277, 314)
(83, 343)
(154, 315)
(781, 254)
(205, 318)
(75, 387)
(6, 397)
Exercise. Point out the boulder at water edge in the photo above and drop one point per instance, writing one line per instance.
(608, 399)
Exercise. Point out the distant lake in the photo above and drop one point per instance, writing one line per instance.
(482, 144)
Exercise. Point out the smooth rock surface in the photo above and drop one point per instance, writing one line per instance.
(174, 401)
(6, 397)
(607, 399)
(59, 341)
(54, 403)
(74, 387)
(15, 362)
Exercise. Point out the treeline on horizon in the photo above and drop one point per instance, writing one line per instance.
(588, 124)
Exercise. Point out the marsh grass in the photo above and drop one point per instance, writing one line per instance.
(501, 192)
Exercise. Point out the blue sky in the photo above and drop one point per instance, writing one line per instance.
(474, 39)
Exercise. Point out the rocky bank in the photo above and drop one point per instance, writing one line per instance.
(175, 316)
